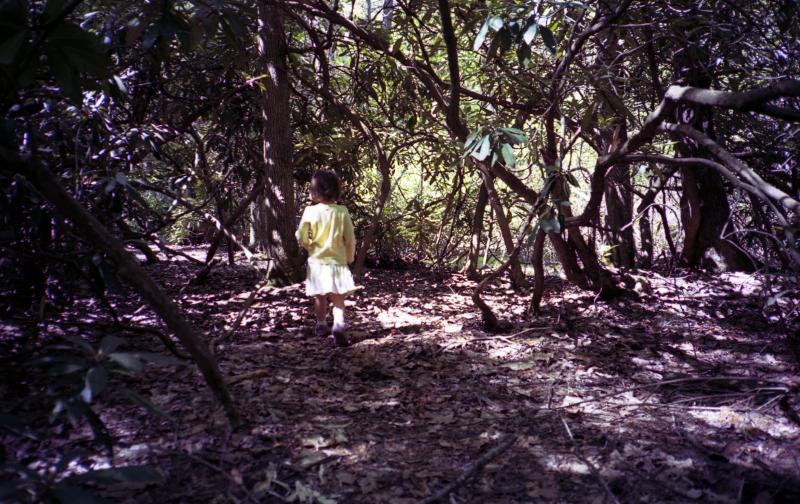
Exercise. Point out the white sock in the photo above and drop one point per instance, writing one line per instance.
(338, 316)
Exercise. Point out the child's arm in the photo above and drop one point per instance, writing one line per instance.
(349, 239)
(303, 233)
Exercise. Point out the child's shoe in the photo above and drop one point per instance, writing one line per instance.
(321, 329)
(340, 335)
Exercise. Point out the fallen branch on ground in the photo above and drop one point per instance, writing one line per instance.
(676, 381)
(592, 468)
(252, 375)
(247, 304)
(504, 444)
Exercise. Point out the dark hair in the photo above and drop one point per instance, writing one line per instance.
(325, 185)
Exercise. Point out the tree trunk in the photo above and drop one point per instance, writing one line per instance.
(619, 214)
(518, 280)
(203, 169)
(646, 237)
(275, 216)
(619, 198)
(704, 203)
(487, 248)
(538, 276)
(383, 196)
(471, 268)
(593, 275)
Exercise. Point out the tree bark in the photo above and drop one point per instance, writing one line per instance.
(518, 280)
(203, 169)
(276, 214)
(646, 237)
(471, 268)
(619, 198)
(538, 273)
(704, 202)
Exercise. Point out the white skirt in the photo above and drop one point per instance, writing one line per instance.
(328, 279)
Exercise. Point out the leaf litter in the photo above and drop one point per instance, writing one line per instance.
(682, 395)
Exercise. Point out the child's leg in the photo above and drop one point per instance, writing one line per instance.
(339, 327)
(321, 307)
(338, 309)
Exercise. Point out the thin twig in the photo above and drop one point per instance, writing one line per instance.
(252, 498)
(589, 463)
(471, 469)
(249, 376)
(528, 330)
(667, 382)
(247, 304)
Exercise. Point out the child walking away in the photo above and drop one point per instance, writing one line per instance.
(326, 232)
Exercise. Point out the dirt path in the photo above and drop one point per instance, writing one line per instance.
(609, 402)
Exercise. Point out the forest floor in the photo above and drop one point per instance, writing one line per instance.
(688, 393)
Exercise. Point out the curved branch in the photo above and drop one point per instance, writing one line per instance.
(738, 166)
(754, 100)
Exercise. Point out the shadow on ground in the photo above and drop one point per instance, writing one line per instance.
(623, 401)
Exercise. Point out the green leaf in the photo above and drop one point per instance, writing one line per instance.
(95, 383)
(10, 47)
(52, 9)
(530, 33)
(548, 38)
(196, 31)
(514, 135)
(120, 84)
(774, 299)
(157, 358)
(79, 342)
(66, 78)
(144, 402)
(65, 368)
(67, 494)
(524, 55)
(484, 148)
(110, 343)
(495, 23)
(508, 156)
(133, 30)
(98, 427)
(505, 39)
(481, 36)
(550, 224)
(128, 360)
(493, 47)
(82, 49)
(571, 179)
(13, 15)
(150, 37)
(469, 144)
(133, 475)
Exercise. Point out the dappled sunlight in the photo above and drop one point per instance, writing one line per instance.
(424, 389)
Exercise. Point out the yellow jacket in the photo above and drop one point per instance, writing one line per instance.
(326, 231)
